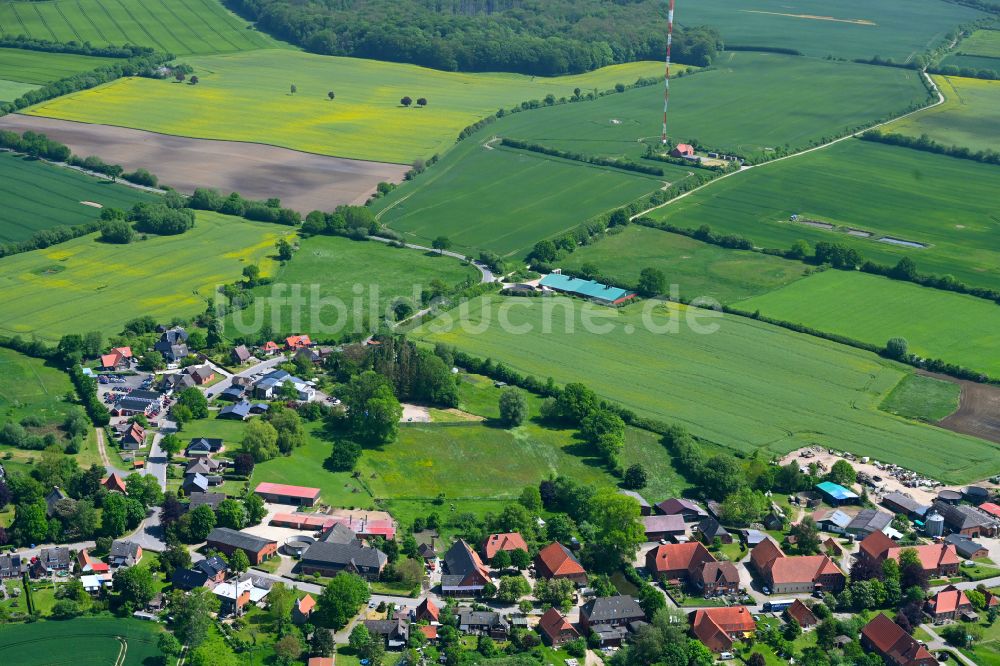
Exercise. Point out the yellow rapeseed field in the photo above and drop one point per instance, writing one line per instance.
(247, 97)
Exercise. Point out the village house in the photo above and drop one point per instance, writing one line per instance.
(303, 608)
(716, 578)
(465, 574)
(426, 611)
(556, 561)
(214, 568)
(12, 566)
(295, 342)
(195, 483)
(685, 150)
(55, 496)
(204, 573)
(610, 617)
(175, 383)
(257, 549)
(270, 348)
(676, 563)
(90, 564)
(966, 548)
(281, 493)
(395, 633)
(949, 604)
(800, 573)
(692, 512)
(329, 559)
(173, 344)
(495, 543)
(483, 623)
(203, 446)
(556, 629)
(232, 393)
(271, 386)
(213, 500)
(719, 628)
(711, 529)
(117, 359)
(137, 402)
(240, 355)
(888, 640)
(235, 595)
(660, 527)
(201, 374)
(939, 560)
(125, 553)
(802, 614)
(51, 560)
(134, 437)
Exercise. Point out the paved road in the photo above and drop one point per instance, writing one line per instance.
(486, 273)
(156, 461)
(937, 643)
(268, 364)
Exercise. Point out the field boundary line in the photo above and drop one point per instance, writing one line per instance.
(166, 27)
(67, 22)
(115, 22)
(93, 25)
(939, 102)
(45, 24)
(20, 20)
(210, 25)
(142, 26)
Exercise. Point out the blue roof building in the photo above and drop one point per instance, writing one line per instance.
(836, 494)
(586, 288)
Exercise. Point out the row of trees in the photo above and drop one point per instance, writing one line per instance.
(625, 165)
(260, 211)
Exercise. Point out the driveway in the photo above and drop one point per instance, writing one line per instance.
(156, 461)
(937, 643)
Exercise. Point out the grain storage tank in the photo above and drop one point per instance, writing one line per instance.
(934, 526)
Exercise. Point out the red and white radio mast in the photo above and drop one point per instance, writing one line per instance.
(666, 77)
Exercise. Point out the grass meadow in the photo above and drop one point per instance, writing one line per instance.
(745, 385)
(31, 386)
(744, 105)
(970, 116)
(247, 97)
(506, 200)
(923, 398)
(698, 269)
(181, 27)
(848, 29)
(40, 67)
(86, 285)
(11, 90)
(946, 203)
(367, 277)
(84, 641)
(954, 327)
(37, 196)
(984, 43)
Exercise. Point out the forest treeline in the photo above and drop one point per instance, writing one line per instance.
(540, 37)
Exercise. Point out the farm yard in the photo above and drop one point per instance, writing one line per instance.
(957, 328)
(86, 285)
(766, 387)
(37, 196)
(697, 268)
(181, 27)
(332, 270)
(40, 67)
(505, 200)
(302, 181)
(743, 105)
(247, 97)
(943, 202)
(848, 29)
(970, 116)
(81, 641)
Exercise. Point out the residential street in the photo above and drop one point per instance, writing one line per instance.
(262, 367)
(938, 644)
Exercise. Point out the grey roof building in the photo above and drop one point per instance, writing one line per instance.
(868, 521)
(966, 520)
(211, 499)
(618, 610)
(331, 557)
(125, 553)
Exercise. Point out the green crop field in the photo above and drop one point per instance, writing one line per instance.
(954, 327)
(247, 97)
(969, 117)
(976, 62)
(30, 386)
(923, 398)
(337, 280)
(180, 27)
(40, 196)
(86, 285)
(84, 641)
(745, 105)
(506, 200)
(848, 28)
(42, 67)
(943, 202)
(11, 90)
(734, 381)
(698, 269)
(982, 43)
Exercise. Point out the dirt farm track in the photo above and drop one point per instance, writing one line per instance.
(302, 181)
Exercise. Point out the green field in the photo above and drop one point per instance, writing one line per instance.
(745, 105)
(982, 43)
(506, 200)
(954, 327)
(37, 196)
(848, 28)
(969, 117)
(30, 386)
(976, 62)
(84, 641)
(86, 285)
(746, 385)
(698, 269)
(923, 398)
(943, 202)
(42, 67)
(11, 90)
(180, 27)
(344, 285)
(247, 97)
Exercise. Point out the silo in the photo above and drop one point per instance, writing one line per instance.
(934, 525)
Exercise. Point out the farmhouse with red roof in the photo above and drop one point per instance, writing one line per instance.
(720, 628)
(555, 561)
(801, 573)
(888, 640)
(938, 559)
(281, 493)
(496, 542)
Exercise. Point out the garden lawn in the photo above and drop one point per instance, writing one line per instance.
(84, 641)
(745, 105)
(247, 97)
(506, 200)
(848, 28)
(987, 651)
(697, 268)
(37, 195)
(969, 117)
(745, 384)
(343, 286)
(923, 398)
(873, 309)
(84, 285)
(946, 203)
(40, 67)
(181, 27)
